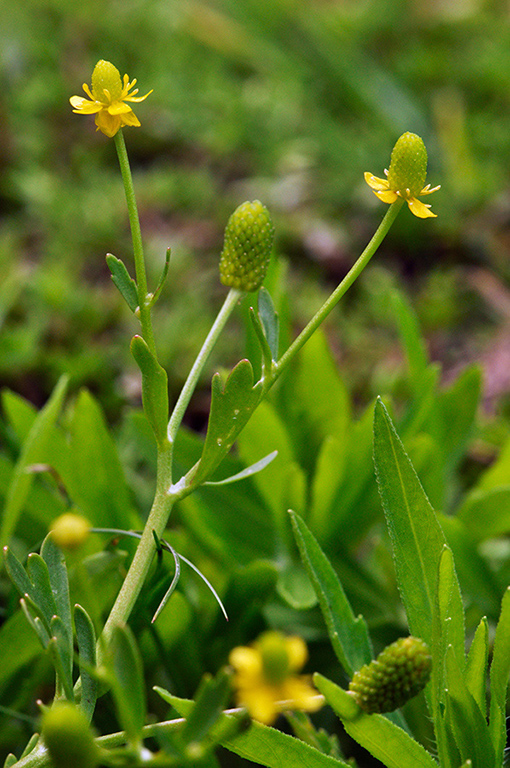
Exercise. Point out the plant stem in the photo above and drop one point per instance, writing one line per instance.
(157, 520)
(136, 234)
(182, 403)
(337, 294)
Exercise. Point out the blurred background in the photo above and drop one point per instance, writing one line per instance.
(289, 102)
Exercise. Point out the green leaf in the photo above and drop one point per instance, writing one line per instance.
(410, 336)
(86, 638)
(382, 738)
(93, 473)
(33, 451)
(57, 572)
(348, 635)
(123, 281)
(416, 536)
(19, 647)
(61, 646)
(327, 479)
(162, 279)
(486, 513)
(469, 726)
(31, 614)
(41, 592)
(248, 472)
(500, 671)
(476, 665)
(231, 408)
(210, 700)
(262, 744)
(269, 320)
(154, 388)
(128, 682)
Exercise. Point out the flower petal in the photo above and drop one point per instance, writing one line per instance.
(387, 196)
(137, 98)
(108, 124)
(428, 191)
(118, 108)
(374, 182)
(420, 209)
(85, 106)
(130, 119)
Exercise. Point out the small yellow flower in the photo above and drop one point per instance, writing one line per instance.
(107, 99)
(406, 176)
(265, 679)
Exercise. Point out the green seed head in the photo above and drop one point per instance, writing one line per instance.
(247, 248)
(275, 657)
(408, 166)
(398, 674)
(67, 735)
(105, 75)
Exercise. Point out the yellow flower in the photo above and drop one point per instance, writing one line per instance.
(406, 176)
(265, 678)
(107, 99)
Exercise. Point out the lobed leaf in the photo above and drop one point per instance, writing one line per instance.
(86, 639)
(123, 281)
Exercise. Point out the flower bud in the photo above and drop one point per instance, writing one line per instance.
(70, 530)
(247, 248)
(67, 735)
(398, 674)
(408, 166)
(106, 77)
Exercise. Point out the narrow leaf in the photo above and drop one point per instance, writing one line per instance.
(86, 638)
(382, 738)
(41, 592)
(252, 470)
(64, 649)
(36, 624)
(269, 319)
(468, 723)
(33, 451)
(210, 700)
(128, 682)
(348, 635)
(476, 665)
(57, 571)
(500, 671)
(154, 387)
(263, 745)
(123, 281)
(162, 279)
(416, 536)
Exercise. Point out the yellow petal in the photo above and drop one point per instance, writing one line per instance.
(428, 191)
(84, 106)
(420, 209)
(387, 196)
(119, 108)
(130, 119)
(374, 182)
(137, 98)
(108, 124)
(297, 652)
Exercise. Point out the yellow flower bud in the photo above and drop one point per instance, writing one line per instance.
(67, 735)
(70, 530)
(106, 82)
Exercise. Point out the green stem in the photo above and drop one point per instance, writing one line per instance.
(157, 520)
(182, 403)
(337, 294)
(136, 234)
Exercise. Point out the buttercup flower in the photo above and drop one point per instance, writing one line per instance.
(265, 678)
(406, 176)
(108, 98)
